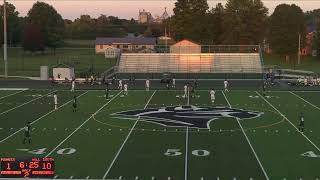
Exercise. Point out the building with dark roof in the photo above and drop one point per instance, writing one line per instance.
(125, 44)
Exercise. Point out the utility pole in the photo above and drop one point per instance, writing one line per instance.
(299, 51)
(5, 56)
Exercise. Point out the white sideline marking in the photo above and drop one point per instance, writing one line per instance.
(186, 156)
(289, 122)
(11, 94)
(41, 118)
(4, 112)
(87, 177)
(304, 100)
(124, 142)
(245, 135)
(55, 177)
(71, 177)
(81, 125)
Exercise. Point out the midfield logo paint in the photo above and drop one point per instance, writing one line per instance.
(186, 116)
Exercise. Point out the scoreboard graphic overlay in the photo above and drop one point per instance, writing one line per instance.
(27, 167)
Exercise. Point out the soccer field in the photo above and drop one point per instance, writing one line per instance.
(149, 136)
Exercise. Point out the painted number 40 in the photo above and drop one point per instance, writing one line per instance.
(64, 151)
(177, 152)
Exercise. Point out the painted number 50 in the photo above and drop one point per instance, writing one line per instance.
(177, 152)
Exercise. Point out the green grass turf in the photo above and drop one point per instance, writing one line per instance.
(22, 63)
(106, 146)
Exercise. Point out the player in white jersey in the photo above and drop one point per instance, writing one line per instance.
(73, 83)
(173, 82)
(212, 96)
(125, 88)
(120, 84)
(185, 89)
(27, 133)
(147, 85)
(55, 99)
(226, 85)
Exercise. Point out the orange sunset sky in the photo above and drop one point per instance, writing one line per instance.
(71, 9)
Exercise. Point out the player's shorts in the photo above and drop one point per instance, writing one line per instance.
(26, 134)
(74, 105)
(301, 124)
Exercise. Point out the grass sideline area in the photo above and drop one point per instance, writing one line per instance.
(95, 143)
(22, 63)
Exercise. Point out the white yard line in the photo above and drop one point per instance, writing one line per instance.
(304, 100)
(82, 124)
(41, 117)
(11, 94)
(245, 135)
(4, 112)
(289, 122)
(124, 142)
(186, 156)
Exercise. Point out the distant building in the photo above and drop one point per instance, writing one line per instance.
(145, 17)
(185, 47)
(310, 48)
(126, 44)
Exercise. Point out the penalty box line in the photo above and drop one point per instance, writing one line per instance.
(125, 141)
(12, 94)
(82, 124)
(245, 135)
(25, 103)
(289, 122)
(33, 122)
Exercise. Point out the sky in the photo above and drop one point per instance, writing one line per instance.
(72, 9)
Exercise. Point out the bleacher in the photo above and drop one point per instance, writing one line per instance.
(190, 63)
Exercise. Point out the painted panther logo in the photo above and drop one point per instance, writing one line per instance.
(186, 116)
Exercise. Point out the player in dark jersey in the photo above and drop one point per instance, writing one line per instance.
(74, 104)
(107, 92)
(301, 123)
(27, 133)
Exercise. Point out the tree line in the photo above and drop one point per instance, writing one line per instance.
(244, 22)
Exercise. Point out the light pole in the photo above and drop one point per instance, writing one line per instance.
(299, 51)
(5, 56)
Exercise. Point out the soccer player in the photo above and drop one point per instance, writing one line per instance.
(264, 87)
(147, 85)
(74, 104)
(301, 124)
(212, 96)
(173, 82)
(55, 99)
(185, 89)
(73, 84)
(107, 92)
(120, 84)
(226, 84)
(125, 88)
(27, 133)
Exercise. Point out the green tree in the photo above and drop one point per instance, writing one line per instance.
(189, 20)
(215, 24)
(244, 22)
(14, 25)
(33, 38)
(286, 23)
(50, 23)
